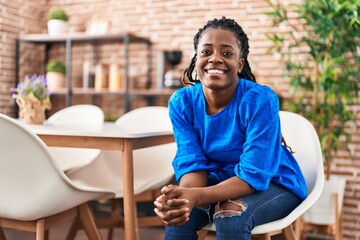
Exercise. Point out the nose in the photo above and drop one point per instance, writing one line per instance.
(215, 58)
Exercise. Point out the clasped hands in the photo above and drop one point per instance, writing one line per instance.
(173, 207)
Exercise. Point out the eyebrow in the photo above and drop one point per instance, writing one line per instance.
(223, 45)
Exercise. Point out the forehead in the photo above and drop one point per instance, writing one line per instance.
(214, 36)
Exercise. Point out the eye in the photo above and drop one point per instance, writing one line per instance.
(205, 52)
(228, 54)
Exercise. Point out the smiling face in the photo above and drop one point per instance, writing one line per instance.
(219, 59)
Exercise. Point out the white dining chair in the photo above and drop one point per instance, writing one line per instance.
(76, 116)
(152, 165)
(301, 136)
(36, 195)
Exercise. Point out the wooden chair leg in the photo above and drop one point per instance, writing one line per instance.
(2, 234)
(202, 234)
(114, 208)
(298, 228)
(47, 234)
(289, 233)
(87, 220)
(75, 226)
(40, 229)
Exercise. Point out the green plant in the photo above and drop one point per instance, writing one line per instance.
(55, 66)
(320, 54)
(57, 14)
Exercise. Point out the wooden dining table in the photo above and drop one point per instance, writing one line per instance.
(108, 137)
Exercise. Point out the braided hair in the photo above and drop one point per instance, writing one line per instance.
(226, 24)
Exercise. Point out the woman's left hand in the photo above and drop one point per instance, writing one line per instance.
(173, 207)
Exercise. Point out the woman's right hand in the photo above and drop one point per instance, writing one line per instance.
(176, 202)
(171, 208)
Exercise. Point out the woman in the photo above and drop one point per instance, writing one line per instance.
(232, 166)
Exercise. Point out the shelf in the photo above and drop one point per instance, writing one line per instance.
(82, 38)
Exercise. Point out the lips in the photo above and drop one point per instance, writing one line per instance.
(215, 71)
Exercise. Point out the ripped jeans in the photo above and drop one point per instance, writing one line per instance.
(258, 208)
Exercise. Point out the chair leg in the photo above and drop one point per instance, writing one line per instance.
(2, 234)
(337, 228)
(87, 219)
(75, 226)
(202, 234)
(47, 233)
(114, 204)
(298, 228)
(289, 233)
(40, 229)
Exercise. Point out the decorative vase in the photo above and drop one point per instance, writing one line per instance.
(55, 81)
(57, 27)
(32, 110)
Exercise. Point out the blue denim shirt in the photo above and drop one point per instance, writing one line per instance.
(244, 139)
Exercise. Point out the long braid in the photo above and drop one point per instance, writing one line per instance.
(226, 24)
(246, 72)
(187, 74)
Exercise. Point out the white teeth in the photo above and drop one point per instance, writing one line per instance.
(215, 71)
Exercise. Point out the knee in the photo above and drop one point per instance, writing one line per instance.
(230, 208)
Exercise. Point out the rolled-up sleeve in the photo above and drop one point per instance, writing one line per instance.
(261, 155)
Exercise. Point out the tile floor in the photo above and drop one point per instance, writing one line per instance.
(60, 232)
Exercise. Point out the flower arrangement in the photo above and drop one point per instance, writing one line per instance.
(33, 98)
(35, 85)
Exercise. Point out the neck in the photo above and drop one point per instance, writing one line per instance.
(217, 100)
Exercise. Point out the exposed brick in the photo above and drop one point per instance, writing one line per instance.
(169, 25)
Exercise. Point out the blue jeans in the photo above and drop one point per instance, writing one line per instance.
(261, 207)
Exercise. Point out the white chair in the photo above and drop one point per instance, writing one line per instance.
(326, 214)
(152, 165)
(35, 193)
(301, 136)
(79, 116)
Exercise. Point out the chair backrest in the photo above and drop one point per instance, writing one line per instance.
(80, 116)
(31, 185)
(152, 165)
(151, 118)
(301, 136)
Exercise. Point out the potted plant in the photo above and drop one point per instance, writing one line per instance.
(55, 74)
(33, 99)
(320, 55)
(57, 22)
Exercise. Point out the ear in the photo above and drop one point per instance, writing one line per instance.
(241, 65)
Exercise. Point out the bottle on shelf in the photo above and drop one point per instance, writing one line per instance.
(101, 77)
(88, 75)
(116, 78)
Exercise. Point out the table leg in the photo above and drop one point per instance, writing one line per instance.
(130, 222)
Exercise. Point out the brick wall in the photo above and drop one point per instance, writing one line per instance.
(17, 17)
(170, 25)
